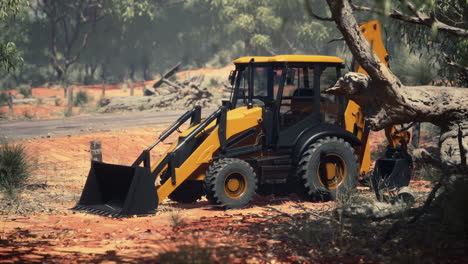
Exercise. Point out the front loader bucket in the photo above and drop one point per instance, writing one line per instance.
(118, 191)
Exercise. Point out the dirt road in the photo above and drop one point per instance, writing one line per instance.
(30, 129)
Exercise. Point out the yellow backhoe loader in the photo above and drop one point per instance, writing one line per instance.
(277, 129)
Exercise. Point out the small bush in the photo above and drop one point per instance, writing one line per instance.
(40, 101)
(177, 219)
(25, 90)
(103, 102)
(3, 98)
(27, 115)
(214, 82)
(81, 98)
(68, 112)
(57, 101)
(15, 168)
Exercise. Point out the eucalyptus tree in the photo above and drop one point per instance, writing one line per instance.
(387, 101)
(438, 28)
(8, 52)
(70, 25)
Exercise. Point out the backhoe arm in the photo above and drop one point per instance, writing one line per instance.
(354, 117)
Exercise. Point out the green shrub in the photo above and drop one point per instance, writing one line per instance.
(25, 90)
(414, 69)
(68, 112)
(15, 168)
(57, 101)
(103, 102)
(27, 115)
(81, 98)
(3, 99)
(214, 82)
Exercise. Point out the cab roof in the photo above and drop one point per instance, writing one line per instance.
(290, 58)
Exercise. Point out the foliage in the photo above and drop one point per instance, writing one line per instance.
(68, 112)
(3, 98)
(413, 68)
(81, 98)
(27, 115)
(9, 56)
(15, 168)
(442, 47)
(177, 219)
(137, 39)
(102, 102)
(25, 90)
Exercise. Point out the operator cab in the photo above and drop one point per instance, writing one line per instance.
(288, 88)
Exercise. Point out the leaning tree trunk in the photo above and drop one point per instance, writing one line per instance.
(386, 101)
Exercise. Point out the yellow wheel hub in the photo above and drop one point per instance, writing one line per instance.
(235, 185)
(331, 171)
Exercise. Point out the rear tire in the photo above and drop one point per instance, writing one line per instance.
(327, 168)
(187, 192)
(231, 183)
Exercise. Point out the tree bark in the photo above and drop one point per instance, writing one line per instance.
(386, 101)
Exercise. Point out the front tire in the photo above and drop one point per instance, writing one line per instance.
(328, 168)
(231, 183)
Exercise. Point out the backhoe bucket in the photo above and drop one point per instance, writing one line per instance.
(118, 191)
(391, 175)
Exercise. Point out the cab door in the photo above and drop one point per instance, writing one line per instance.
(300, 103)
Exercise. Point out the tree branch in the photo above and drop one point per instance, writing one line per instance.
(312, 14)
(420, 19)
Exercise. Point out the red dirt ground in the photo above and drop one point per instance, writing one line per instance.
(235, 236)
(69, 237)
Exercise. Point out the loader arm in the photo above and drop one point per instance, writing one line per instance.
(119, 190)
(237, 121)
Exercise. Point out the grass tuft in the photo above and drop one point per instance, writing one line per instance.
(68, 112)
(15, 168)
(81, 98)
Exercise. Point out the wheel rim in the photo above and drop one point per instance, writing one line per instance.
(235, 185)
(331, 171)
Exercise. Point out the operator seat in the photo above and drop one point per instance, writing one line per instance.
(302, 102)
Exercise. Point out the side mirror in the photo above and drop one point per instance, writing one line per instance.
(232, 77)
